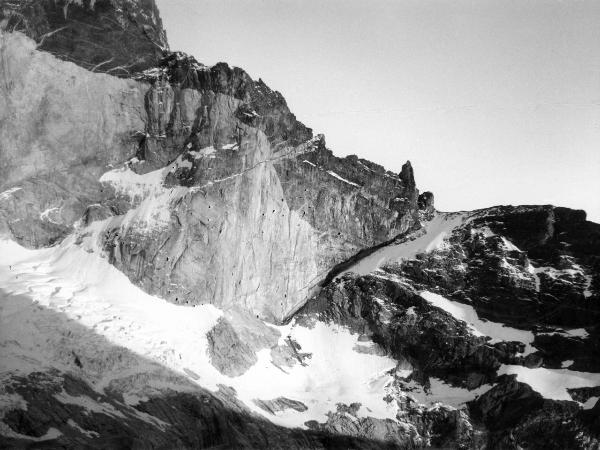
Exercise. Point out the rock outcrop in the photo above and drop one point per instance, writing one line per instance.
(119, 37)
(518, 417)
(479, 266)
(530, 266)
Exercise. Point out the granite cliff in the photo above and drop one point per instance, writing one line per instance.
(194, 169)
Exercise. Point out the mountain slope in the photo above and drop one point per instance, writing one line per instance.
(184, 264)
(370, 357)
(236, 187)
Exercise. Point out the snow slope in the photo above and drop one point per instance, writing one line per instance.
(497, 331)
(429, 238)
(553, 383)
(73, 279)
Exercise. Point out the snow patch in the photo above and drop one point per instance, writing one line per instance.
(74, 280)
(443, 393)
(587, 292)
(552, 272)
(536, 277)
(137, 187)
(89, 404)
(88, 433)
(154, 200)
(335, 175)
(509, 245)
(46, 215)
(552, 383)
(4, 195)
(574, 332)
(590, 403)
(429, 238)
(206, 152)
(497, 331)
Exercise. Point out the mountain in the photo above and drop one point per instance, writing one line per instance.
(186, 265)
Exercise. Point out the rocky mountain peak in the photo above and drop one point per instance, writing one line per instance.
(407, 174)
(259, 106)
(195, 170)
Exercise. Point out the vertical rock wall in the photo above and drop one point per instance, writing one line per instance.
(247, 208)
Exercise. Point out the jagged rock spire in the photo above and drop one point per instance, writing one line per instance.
(407, 174)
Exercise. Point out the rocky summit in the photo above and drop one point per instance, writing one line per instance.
(186, 265)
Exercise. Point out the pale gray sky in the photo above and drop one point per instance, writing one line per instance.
(493, 101)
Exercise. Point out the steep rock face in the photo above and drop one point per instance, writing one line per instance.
(60, 127)
(242, 193)
(260, 106)
(352, 203)
(119, 37)
(426, 203)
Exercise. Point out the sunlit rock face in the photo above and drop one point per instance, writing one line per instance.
(60, 127)
(241, 204)
(263, 220)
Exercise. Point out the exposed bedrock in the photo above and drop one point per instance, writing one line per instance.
(530, 266)
(518, 417)
(249, 208)
(435, 345)
(60, 127)
(411, 329)
(119, 37)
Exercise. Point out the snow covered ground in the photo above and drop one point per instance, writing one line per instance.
(550, 383)
(335, 373)
(147, 192)
(480, 327)
(553, 383)
(443, 393)
(75, 281)
(429, 238)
